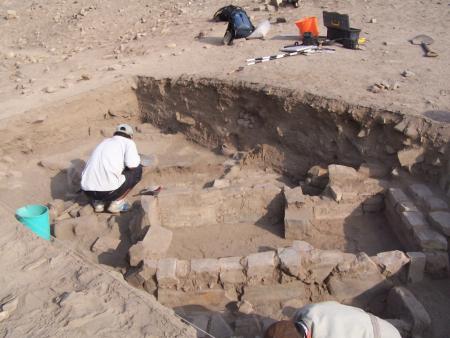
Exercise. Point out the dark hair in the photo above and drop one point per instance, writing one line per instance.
(119, 133)
(283, 329)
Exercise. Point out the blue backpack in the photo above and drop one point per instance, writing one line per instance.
(239, 24)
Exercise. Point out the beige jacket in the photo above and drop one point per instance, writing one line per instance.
(334, 320)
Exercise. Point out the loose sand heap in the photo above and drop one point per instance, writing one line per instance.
(311, 178)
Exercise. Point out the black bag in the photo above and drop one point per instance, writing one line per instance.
(239, 26)
(224, 13)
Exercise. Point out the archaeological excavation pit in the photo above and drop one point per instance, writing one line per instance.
(272, 198)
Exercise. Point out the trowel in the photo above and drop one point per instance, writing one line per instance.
(424, 41)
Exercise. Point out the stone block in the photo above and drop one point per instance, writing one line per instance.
(413, 219)
(260, 267)
(429, 239)
(392, 262)
(302, 246)
(339, 173)
(437, 264)
(231, 205)
(402, 304)
(320, 263)
(154, 245)
(264, 297)
(376, 170)
(204, 272)
(360, 285)
(210, 299)
(218, 327)
(291, 262)
(330, 210)
(420, 192)
(440, 220)
(294, 197)
(373, 204)
(435, 204)
(409, 157)
(183, 268)
(245, 307)
(406, 206)
(231, 271)
(148, 269)
(395, 196)
(297, 222)
(166, 273)
(416, 267)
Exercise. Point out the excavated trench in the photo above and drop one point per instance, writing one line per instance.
(272, 199)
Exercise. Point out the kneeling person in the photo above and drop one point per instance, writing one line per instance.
(113, 169)
(332, 320)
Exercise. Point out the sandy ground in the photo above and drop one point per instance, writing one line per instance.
(67, 47)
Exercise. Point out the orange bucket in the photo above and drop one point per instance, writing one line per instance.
(308, 24)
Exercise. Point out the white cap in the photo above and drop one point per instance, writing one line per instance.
(125, 128)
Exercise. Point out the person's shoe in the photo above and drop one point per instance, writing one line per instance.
(119, 206)
(99, 206)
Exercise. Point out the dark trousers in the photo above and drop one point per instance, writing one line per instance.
(132, 177)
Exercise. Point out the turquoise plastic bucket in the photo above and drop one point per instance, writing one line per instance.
(36, 218)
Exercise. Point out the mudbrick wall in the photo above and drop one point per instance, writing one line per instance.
(291, 130)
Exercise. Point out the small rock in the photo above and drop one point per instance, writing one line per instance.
(270, 8)
(374, 89)
(113, 67)
(49, 90)
(395, 86)
(171, 45)
(245, 306)
(281, 20)
(11, 14)
(407, 73)
(373, 20)
(200, 35)
(85, 77)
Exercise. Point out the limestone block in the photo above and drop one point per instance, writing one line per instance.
(411, 156)
(435, 204)
(395, 196)
(204, 272)
(320, 263)
(294, 197)
(406, 206)
(264, 297)
(183, 268)
(297, 222)
(392, 262)
(402, 304)
(360, 285)
(148, 269)
(376, 170)
(339, 173)
(154, 245)
(413, 219)
(231, 270)
(330, 210)
(416, 266)
(441, 221)
(221, 183)
(245, 306)
(211, 298)
(291, 262)
(218, 327)
(260, 267)
(420, 192)
(302, 246)
(437, 264)
(166, 273)
(428, 239)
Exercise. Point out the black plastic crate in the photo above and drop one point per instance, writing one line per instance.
(349, 38)
(336, 20)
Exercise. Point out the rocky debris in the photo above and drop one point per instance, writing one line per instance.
(384, 86)
(260, 267)
(441, 221)
(83, 229)
(392, 263)
(416, 267)
(402, 304)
